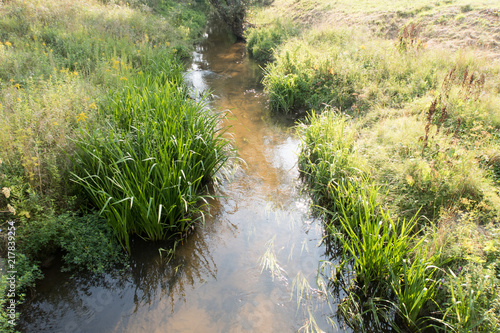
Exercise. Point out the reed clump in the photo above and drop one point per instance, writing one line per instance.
(145, 170)
(397, 268)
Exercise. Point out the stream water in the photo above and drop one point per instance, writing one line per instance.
(217, 281)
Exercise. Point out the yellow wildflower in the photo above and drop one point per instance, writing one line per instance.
(18, 99)
(55, 123)
(363, 47)
(11, 209)
(123, 78)
(8, 44)
(174, 50)
(17, 85)
(81, 117)
(6, 192)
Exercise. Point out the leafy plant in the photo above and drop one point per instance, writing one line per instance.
(145, 170)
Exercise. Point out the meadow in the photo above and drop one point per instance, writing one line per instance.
(400, 151)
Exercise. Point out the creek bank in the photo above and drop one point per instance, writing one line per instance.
(407, 130)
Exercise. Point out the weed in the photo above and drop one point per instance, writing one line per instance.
(409, 38)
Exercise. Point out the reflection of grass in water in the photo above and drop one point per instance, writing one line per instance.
(270, 262)
(310, 324)
(306, 296)
(278, 211)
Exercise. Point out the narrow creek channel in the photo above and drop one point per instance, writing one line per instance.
(216, 282)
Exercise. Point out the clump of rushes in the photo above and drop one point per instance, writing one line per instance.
(145, 170)
(380, 255)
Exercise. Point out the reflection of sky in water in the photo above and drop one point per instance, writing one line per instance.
(197, 75)
(284, 155)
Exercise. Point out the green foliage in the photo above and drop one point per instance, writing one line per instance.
(146, 168)
(328, 158)
(463, 311)
(262, 41)
(27, 274)
(340, 69)
(87, 242)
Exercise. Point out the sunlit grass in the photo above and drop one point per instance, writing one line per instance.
(146, 169)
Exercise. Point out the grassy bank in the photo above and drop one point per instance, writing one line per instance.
(89, 91)
(401, 151)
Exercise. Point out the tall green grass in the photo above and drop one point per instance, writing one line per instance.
(145, 170)
(261, 43)
(328, 158)
(385, 264)
(326, 67)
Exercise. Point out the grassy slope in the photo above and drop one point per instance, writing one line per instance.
(444, 23)
(437, 162)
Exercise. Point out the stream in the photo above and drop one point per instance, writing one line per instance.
(238, 273)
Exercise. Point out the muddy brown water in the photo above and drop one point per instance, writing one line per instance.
(216, 283)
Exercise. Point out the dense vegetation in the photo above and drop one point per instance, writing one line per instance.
(400, 150)
(99, 138)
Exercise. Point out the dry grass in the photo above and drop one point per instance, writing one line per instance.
(445, 24)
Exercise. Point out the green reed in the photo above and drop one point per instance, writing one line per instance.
(146, 169)
(384, 265)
